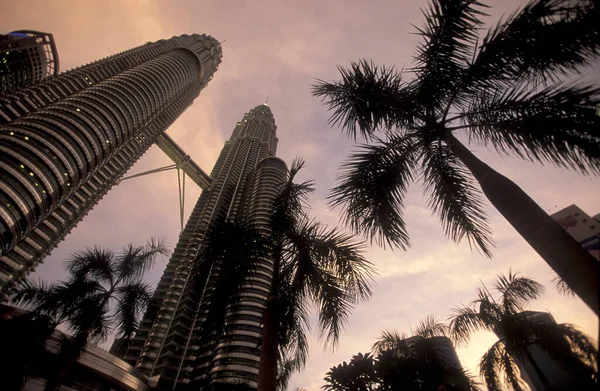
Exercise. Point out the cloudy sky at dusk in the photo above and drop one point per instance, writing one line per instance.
(277, 49)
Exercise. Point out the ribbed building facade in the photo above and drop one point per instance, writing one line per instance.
(66, 140)
(243, 181)
(26, 57)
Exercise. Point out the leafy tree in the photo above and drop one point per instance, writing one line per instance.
(518, 331)
(104, 291)
(416, 363)
(358, 375)
(312, 265)
(504, 91)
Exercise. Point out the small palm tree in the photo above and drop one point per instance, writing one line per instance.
(503, 91)
(310, 264)
(104, 291)
(517, 331)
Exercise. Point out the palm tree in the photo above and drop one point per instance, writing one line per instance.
(517, 330)
(311, 265)
(104, 291)
(503, 91)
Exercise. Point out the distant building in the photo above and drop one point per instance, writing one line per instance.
(444, 351)
(26, 56)
(582, 227)
(537, 363)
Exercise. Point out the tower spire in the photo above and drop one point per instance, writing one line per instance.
(266, 100)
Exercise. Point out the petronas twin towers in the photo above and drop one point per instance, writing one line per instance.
(67, 140)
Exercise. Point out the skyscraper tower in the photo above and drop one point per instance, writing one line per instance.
(243, 181)
(26, 57)
(66, 140)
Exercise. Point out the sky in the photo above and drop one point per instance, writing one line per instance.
(277, 49)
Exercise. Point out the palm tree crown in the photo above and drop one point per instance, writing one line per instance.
(104, 291)
(505, 91)
(517, 329)
(312, 266)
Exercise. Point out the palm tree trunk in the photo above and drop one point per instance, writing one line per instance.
(78, 347)
(267, 371)
(562, 253)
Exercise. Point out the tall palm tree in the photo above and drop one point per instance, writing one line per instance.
(312, 265)
(505, 91)
(104, 291)
(518, 332)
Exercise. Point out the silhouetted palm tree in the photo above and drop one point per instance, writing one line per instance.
(517, 330)
(504, 91)
(104, 291)
(312, 265)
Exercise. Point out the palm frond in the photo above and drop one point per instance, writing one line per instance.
(32, 294)
(334, 306)
(454, 197)
(517, 291)
(431, 327)
(497, 365)
(557, 124)
(368, 97)
(293, 322)
(581, 345)
(543, 41)
(562, 287)
(285, 370)
(132, 299)
(90, 319)
(93, 263)
(134, 261)
(388, 340)
(317, 248)
(371, 191)
(449, 39)
(233, 250)
(464, 322)
(289, 205)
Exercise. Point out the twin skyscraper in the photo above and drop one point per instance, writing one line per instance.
(66, 140)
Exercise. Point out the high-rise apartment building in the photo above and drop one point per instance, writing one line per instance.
(582, 227)
(66, 140)
(244, 180)
(542, 370)
(26, 57)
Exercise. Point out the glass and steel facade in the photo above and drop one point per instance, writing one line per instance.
(243, 181)
(25, 57)
(65, 141)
